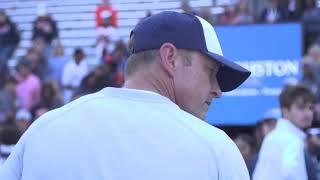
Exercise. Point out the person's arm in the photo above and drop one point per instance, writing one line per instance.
(293, 163)
(36, 91)
(231, 163)
(12, 167)
(227, 157)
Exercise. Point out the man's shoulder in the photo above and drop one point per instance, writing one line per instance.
(211, 134)
(66, 113)
(33, 78)
(281, 135)
(69, 64)
(275, 136)
(227, 156)
(58, 128)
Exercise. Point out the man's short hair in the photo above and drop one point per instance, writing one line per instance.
(78, 51)
(143, 58)
(139, 60)
(292, 93)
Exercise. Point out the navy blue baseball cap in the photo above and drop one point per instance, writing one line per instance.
(190, 32)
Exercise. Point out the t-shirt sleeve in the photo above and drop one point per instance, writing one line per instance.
(293, 162)
(231, 163)
(12, 167)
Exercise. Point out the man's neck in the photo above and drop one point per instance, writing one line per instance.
(151, 84)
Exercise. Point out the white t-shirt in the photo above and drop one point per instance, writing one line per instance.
(4, 151)
(122, 134)
(73, 73)
(281, 155)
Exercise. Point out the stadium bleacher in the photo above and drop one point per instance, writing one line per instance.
(75, 19)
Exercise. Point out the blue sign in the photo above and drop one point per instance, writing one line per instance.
(272, 53)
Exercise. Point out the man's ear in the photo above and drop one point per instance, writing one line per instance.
(168, 58)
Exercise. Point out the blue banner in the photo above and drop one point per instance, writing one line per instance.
(272, 53)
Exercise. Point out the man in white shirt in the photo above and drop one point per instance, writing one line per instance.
(73, 73)
(150, 129)
(282, 154)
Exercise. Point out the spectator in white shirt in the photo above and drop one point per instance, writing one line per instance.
(74, 71)
(282, 154)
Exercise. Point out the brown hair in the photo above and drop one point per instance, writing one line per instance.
(291, 93)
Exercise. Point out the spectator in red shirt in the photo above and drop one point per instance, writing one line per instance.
(105, 12)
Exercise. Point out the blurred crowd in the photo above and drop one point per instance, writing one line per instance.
(46, 78)
(275, 11)
(249, 144)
